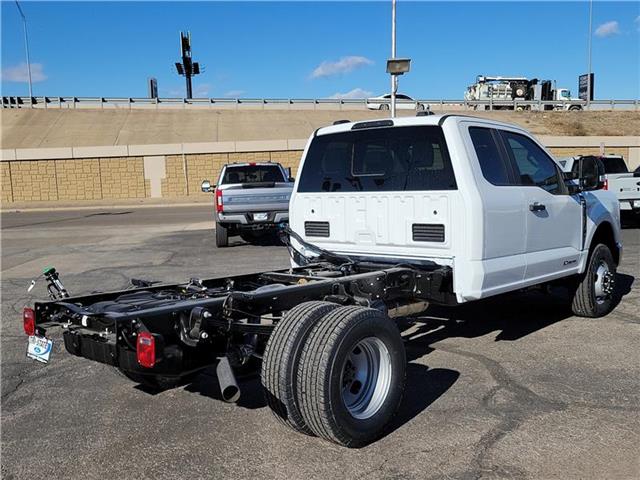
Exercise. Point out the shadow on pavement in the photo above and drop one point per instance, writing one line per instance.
(512, 316)
(424, 386)
(251, 397)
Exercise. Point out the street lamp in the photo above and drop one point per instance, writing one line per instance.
(26, 46)
(395, 67)
(589, 86)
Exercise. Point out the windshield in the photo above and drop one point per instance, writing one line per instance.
(565, 94)
(252, 174)
(378, 159)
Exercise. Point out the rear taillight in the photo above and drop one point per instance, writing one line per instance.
(29, 321)
(146, 349)
(218, 200)
(605, 185)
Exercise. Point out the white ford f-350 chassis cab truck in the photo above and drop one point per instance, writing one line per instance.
(386, 217)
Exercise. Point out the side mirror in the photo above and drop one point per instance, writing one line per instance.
(590, 174)
(291, 179)
(207, 187)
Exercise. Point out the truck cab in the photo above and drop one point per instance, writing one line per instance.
(482, 197)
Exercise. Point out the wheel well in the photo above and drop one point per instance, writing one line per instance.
(604, 235)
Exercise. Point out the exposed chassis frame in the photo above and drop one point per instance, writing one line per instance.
(213, 318)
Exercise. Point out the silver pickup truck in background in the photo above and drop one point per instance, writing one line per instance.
(616, 178)
(250, 199)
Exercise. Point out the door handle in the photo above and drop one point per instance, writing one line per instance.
(537, 207)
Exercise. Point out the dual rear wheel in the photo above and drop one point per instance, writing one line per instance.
(335, 372)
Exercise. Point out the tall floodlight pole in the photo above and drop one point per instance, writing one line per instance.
(589, 62)
(394, 79)
(26, 46)
(187, 68)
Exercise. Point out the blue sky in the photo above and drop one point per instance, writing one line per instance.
(316, 49)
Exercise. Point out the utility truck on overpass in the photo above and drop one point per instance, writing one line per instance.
(386, 217)
(503, 91)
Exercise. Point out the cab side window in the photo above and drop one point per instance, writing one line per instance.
(492, 164)
(532, 165)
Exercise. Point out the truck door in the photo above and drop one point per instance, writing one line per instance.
(504, 222)
(553, 217)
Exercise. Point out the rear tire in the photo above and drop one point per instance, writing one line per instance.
(282, 357)
(222, 236)
(594, 294)
(352, 375)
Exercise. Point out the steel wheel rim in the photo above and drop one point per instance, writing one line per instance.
(366, 378)
(603, 282)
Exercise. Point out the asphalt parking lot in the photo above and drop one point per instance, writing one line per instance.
(514, 387)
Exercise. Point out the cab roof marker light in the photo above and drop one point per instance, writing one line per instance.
(373, 124)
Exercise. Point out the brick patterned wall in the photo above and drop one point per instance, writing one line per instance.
(34, 181)
(288, 159)
(79, 179)
(122, 177)
(204, 166)
(174, 184)
(6, 194)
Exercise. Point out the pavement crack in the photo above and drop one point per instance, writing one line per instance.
(509, 401)
(12, 390)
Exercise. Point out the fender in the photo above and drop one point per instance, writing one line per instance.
(602, 207)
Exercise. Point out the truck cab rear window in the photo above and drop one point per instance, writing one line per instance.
(614, 165)
(379, 159)
(252, 174)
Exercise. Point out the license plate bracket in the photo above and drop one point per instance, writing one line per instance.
(39, 348)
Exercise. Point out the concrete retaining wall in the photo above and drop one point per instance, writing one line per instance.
(171, 171)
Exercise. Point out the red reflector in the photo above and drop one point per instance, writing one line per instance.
(218, 200)
(606, 184)
(29, 321)
(146, 350)
(252, 164)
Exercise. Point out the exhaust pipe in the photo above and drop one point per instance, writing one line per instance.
(227, 380)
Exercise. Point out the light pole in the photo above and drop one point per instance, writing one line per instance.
(589, 62)
(26, 46)
(394, 79)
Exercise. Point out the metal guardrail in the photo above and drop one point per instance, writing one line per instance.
(306, 103)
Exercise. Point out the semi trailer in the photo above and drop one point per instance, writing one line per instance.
(504, 93)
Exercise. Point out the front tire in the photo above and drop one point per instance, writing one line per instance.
(594, 294)
(352, 375)
(222, 236)
(384, 106)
